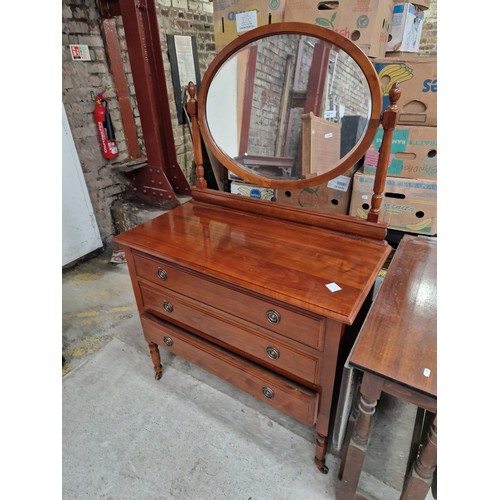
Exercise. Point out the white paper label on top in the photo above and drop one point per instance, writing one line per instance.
(246, 20)
(329, 135)
(427, 372)
(333, 287)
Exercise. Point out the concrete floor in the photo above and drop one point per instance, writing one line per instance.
(189, 435)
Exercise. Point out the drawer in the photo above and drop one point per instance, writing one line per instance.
(305, 328)
(287, 397)
(232, 332)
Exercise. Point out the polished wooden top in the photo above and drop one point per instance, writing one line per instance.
(281, 259)
(398, 339)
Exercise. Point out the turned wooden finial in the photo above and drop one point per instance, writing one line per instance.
(192, 109)
(391, 112)
(389, 119)
(394, 94)
(192, 105)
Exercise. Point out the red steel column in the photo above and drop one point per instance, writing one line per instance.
(162, 178)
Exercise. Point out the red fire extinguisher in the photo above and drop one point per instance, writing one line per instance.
(105, 127)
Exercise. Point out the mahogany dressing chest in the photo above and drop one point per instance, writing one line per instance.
(260, 294)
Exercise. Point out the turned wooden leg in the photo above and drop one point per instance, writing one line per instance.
(155, 356)
(319, 459)
(353, 463)
(351, 466)
(419, 479)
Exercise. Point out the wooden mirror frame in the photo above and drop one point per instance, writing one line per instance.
(387, 120)
(305, 29)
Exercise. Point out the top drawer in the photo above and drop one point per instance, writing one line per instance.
(304, 328)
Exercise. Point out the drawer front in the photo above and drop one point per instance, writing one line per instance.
(283, 395)
(303, 328)
(274, 353)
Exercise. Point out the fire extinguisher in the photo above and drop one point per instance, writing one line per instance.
(105, 127)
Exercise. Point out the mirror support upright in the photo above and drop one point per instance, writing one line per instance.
(192, 109)
(388, 123)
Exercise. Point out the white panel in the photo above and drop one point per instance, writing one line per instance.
(80, 234)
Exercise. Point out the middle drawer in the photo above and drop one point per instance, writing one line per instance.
(276, 354)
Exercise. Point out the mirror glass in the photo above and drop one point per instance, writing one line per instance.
(288, 106)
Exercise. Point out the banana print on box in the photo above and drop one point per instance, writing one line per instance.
(397, 72)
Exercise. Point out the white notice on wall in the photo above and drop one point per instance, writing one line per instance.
(246, 20)
(340, 183)
(185, 59)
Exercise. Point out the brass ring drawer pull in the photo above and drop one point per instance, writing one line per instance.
(268, 392)
(168, 341)
(161, 273)
(273, 353)
(168, 306)
(273, 316)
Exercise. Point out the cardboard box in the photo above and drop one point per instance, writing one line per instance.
(406, 28)
(400, 54)
(423, 4)
(418, 78)
(413, 153)
(234, 177)
(252, 191)
(408, 205)
(364, 22)
(320, 145)
(234, 17)
(330, 197)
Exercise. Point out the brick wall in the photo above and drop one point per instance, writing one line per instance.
(428, 41)
(81, 25)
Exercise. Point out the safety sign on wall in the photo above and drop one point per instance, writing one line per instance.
(80, 52)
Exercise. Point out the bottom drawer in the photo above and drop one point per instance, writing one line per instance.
(287, 397)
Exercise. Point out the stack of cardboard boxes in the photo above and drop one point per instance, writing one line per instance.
(410, 195)
(389, 33)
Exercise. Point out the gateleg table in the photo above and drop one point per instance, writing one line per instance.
(396, 354)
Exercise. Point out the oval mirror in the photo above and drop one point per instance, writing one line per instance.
(289, 105)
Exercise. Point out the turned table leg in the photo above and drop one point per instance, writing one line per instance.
(155, 356)
(419, 479)
(319, 459)
(352, 464)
